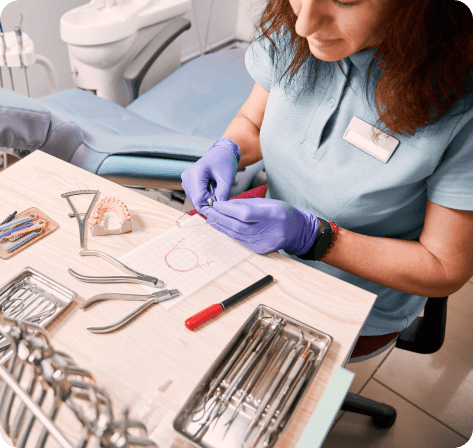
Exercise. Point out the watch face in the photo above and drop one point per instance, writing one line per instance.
(325, 238)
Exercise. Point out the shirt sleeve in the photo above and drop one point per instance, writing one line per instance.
(451, 184)
(259, 60)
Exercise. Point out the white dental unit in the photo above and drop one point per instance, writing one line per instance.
(104, 36)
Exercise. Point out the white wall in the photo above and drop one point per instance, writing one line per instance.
(214, 22)
(249, 12)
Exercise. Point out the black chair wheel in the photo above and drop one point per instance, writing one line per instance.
(385, 421)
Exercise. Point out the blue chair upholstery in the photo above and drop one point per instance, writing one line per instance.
(161, 133)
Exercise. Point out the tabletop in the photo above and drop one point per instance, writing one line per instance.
(156, 349)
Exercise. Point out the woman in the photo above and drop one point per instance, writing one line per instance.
(362, 111)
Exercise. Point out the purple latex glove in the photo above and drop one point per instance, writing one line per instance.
(220, 164)
(265, 225)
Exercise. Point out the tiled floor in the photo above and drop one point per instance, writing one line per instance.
(432, 394)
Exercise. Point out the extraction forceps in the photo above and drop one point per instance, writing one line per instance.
(140, 278)
(155, 297)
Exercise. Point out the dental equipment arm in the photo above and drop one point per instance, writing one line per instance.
(136, 71)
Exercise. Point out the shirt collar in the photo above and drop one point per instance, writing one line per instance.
(362, 59)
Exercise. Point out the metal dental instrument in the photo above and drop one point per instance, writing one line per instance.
(210, 187)
(252, 358)
(82, 222)
(5, 56)
(216, 386)
(254, 377)
(156, 297)
(49, 371)
(275, 428)
(268, 395)
(254, 341)
(293, 373)
(242, 346)
(273, 369)
(140, 278)
(19, 38)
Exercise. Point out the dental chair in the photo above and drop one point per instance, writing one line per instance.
(154, 139)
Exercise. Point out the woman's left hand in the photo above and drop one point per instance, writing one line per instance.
(264, 225)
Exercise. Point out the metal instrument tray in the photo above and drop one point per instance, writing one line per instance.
(198, 407)
(18, 291)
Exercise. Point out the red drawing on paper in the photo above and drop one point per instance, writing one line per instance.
(183, 262)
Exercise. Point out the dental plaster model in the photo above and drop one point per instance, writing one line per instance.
(110, 217)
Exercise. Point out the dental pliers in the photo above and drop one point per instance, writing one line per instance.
(140, 278)
(155, 297)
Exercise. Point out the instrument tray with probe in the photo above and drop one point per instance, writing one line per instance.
(251, 391)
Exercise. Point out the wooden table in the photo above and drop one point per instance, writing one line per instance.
(156, 347)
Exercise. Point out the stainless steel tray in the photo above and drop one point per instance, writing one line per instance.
(19, 302)
(193, 419)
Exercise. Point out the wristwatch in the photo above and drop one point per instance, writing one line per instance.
(321, 242)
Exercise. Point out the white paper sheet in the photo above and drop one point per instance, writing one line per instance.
(186, 258)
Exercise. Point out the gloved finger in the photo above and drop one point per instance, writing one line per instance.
(195, 187)
(253, 242)
(248, 210)
(269, 238)
(225, 179)
(230, 223)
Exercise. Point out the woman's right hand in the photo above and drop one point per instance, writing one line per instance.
(219, 164)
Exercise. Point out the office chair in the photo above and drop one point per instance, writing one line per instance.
(425, 335)
(152, 141)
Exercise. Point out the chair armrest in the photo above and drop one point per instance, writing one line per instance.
(137, 70)
(427, 333)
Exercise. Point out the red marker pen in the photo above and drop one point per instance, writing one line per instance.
(217, 308)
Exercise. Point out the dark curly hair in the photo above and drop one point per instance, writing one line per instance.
(424, 51)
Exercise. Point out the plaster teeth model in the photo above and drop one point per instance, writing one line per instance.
(110, 217)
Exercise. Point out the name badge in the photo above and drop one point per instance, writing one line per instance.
(362, 135)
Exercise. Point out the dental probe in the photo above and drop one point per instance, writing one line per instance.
(19, 38)
(293, 373)
(269, 393)
(5, 56)
(273, 430)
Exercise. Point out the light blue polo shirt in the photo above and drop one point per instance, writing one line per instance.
(309, 165)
